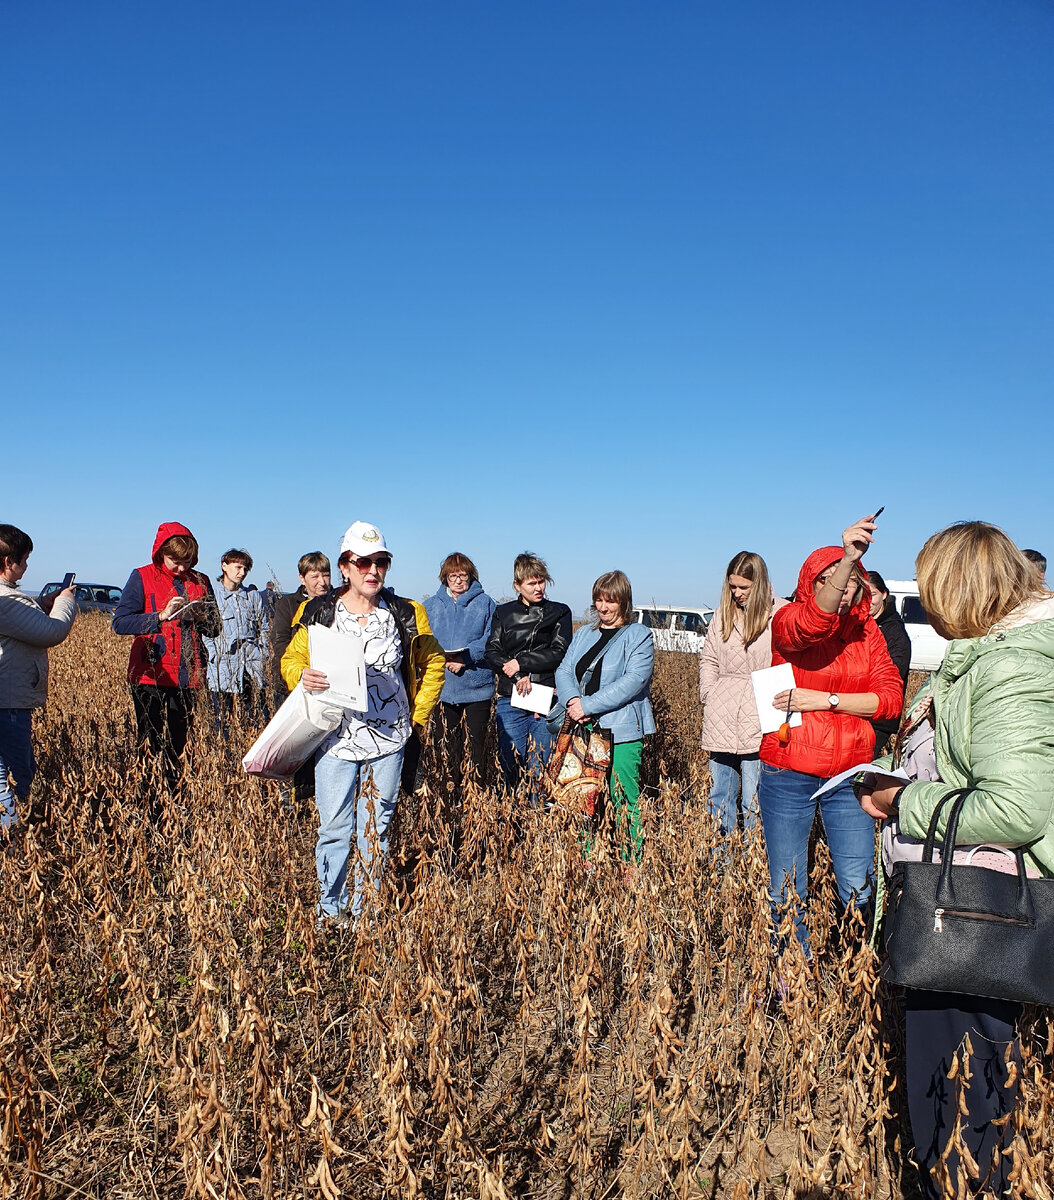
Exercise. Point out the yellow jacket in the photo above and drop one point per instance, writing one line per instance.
(423, 667)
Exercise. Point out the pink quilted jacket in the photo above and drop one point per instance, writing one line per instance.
(730, 718)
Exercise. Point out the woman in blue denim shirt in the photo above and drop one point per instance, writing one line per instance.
(237, 656)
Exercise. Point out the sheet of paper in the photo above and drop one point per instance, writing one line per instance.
(340, 655)
(870, 768)
(539, 699)
(768, 682)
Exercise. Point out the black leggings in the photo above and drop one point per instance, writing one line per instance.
(163, 717)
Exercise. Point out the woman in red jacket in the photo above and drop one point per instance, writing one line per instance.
(843, 676)
(166, 665)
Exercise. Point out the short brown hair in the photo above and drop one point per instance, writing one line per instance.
(970, 576)
(183, 547)
(458, 562)
(315, 561)
(615, 585)
(529, 566)
(14, 544)
(238, 556)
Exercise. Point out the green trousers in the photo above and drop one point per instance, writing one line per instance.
(624, 785)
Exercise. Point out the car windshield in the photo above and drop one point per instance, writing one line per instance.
(654, 620)
(914, 613)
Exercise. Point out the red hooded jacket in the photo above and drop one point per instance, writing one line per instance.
(168, 654)
(831, 654)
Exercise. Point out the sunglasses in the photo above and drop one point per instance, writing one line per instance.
(381, 561)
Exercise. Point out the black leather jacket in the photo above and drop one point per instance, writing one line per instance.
(536, 635)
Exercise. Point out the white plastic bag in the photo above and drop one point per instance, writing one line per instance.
(292, 735)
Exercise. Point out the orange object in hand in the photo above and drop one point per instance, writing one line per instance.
(783, 734)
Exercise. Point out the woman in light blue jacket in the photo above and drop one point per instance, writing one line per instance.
(615, 693)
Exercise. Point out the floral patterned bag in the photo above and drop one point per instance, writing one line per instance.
(577, 771)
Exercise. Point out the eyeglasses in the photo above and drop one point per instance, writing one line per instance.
(457, 575)
(381, 561)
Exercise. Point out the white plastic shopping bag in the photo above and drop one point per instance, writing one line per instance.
(292, 735)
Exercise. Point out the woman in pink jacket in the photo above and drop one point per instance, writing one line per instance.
(737, 642)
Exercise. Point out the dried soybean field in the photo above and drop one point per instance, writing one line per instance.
(529, 1023)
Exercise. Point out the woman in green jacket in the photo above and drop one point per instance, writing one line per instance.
(991, 706)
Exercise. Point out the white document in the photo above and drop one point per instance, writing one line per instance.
(539, 699)
(768, 682)
(867, 767)
(340, 656)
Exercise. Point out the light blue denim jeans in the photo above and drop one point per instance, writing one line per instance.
(729, 772)
(343, 815)
(787, 812)
(16, 757)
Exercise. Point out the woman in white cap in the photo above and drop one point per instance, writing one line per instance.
(405, 671)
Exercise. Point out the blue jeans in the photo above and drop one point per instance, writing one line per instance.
(728, 772)
(787, 813)
(523, 740)
(342, 815)
(16, 756)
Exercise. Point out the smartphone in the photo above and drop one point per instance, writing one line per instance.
(67, 580)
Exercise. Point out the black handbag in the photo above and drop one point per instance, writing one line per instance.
(955, 927)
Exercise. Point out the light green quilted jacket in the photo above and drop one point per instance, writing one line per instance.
(994, 712)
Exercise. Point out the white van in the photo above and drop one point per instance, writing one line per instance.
(927, 645)
(675, 627)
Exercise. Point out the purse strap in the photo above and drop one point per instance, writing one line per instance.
(587, 674)
(945, 897)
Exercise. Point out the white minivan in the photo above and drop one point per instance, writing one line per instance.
(927, 645)
(675, 627)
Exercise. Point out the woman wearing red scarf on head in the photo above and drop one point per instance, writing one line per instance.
(166, 662)
(843, 676)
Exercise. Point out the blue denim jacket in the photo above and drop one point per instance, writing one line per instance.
(239, 653)
(621, 704)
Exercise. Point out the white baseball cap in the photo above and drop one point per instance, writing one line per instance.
(363, 538)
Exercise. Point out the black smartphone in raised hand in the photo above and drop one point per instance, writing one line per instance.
(67, 580)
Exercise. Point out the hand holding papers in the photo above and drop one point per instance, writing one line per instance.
(866, 768)
(341, 659)
(538, 700)
(767, 683)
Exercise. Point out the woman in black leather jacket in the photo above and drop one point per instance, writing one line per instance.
(528, 639)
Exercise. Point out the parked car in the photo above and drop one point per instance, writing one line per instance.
(927, 645)
(680, 627)
(91, 597)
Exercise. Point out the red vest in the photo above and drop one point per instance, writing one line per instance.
(157, 658)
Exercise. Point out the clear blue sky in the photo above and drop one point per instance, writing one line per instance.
(631, 285)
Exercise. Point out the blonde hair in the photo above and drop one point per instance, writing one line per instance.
(614, 585)
(757, 612)
(529, 566)
(970, 576)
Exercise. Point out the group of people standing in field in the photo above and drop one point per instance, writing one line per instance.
(982, 723)
(444, 665)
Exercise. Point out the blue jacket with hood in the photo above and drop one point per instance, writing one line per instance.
(464, 621)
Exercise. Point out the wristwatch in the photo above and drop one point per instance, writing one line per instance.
(832, 700)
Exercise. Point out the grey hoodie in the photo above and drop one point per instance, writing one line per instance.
(26, 632)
